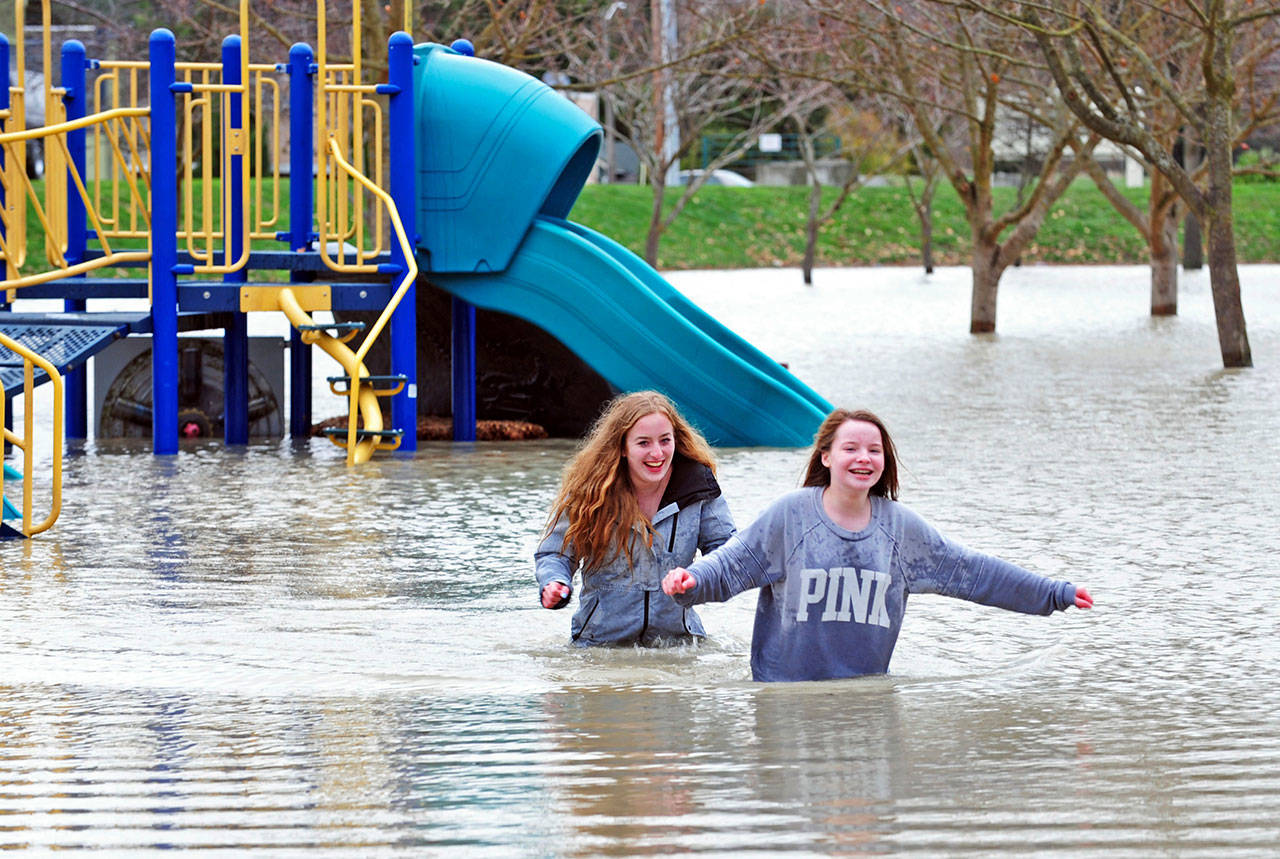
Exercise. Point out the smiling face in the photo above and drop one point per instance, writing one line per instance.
(856, 457)
(649, 447)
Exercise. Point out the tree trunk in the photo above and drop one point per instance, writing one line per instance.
(1219, 223)
(1164, 264)
(654, 235)
(1224, 280)
(986, 283)
(925, 213)
(1192, 235)
(811, 231)
(1192, 243)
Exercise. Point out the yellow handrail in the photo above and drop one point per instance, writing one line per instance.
(52, 216)
(26, 441)
(363, 401)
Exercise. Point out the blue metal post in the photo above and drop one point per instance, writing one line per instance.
(235, 340)
(4, 126)
(464, 370)
(164, 245)
(75, 385)
(404, 321)
(301, 158)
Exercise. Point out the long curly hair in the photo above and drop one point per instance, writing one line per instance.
(596, 494)
(817, 474)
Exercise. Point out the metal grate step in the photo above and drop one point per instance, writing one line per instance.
(64, 346)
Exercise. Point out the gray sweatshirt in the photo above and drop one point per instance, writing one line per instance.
(832, 600)
(623, 603)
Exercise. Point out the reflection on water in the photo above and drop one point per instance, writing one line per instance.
(262, 649)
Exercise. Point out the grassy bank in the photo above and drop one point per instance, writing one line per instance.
(764, 226)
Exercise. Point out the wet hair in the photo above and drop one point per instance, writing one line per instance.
(596, 494)
(817, 474)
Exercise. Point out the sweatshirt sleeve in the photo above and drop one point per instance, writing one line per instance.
(742, 563)
(717, 525)
(935, 564)
(552, 560)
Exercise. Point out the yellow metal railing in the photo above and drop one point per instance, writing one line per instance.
(203, 221)
(51, 213)
(21, 194)
(350, 127)
(121, 85)
(204, 111)
(25, 441)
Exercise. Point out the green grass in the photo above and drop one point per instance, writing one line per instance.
(764, 226)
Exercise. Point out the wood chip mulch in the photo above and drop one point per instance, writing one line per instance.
(432, 428)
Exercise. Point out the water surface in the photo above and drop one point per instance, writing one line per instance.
(261, 650)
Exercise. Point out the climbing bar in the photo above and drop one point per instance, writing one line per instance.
(397, 384)
(333, 326)
(374, 438)
(338, 432)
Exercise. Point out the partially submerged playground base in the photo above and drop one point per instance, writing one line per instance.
(483, 166)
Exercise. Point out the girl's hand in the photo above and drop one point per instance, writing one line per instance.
(555, 595)
(678, 581)
(1083, 598)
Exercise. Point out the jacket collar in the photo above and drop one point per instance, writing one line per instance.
(690, 483)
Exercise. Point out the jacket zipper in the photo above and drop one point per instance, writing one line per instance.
(671, 543)
(587, 620)
(645, 627)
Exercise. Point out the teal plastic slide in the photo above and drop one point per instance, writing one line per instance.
(501, 158)
(9, 511)
(636, 336)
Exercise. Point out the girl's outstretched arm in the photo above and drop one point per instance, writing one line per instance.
(1083, 598)
(678, 581)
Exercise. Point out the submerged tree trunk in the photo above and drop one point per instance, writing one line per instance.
(987, 268)
(1192, 243)
(1219, 221)
(924, 212)
(1224, 280)
(1163, 245)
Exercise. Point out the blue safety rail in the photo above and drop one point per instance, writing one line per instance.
(66, 343)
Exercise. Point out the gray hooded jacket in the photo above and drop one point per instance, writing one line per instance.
(624, 604)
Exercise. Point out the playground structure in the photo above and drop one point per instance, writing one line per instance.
(483, 164)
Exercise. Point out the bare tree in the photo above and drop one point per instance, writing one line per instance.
(798, 54)
(922, 203)
(707, 79)
(935, 62)
(1100, 62)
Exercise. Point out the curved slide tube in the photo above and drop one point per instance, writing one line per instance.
(637, 331)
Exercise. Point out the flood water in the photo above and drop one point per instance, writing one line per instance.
(259, 650)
